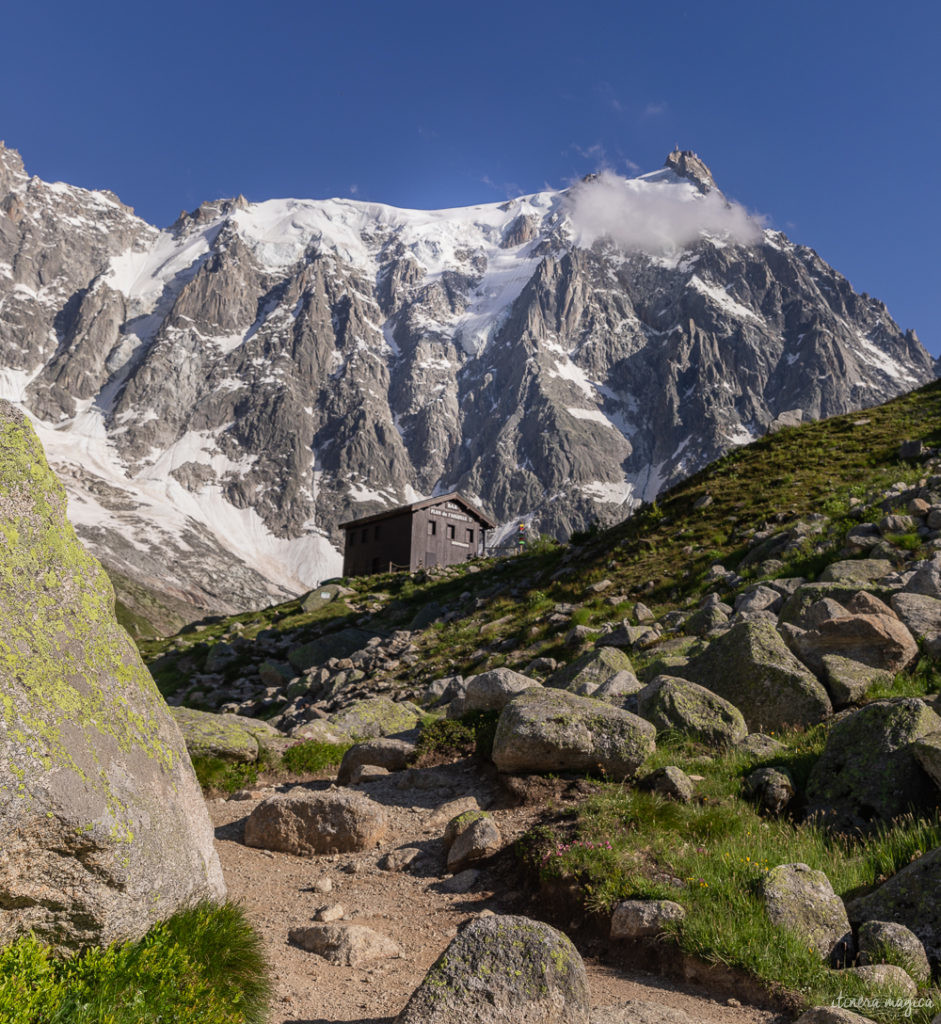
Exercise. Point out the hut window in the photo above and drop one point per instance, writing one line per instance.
(376, 532)
(470, 536)
(365, 536)
(432, 527)
(450, 531)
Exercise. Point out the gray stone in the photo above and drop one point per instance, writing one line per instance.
(553, 730)
(376, 716)
(399, 860)
(103, 828)
(668, 702)
(927, 579)
(802, 900)
(927, 750)
(910, 898)
(384, 752)
(773, 788)
(849, 681)
(856, 570)
(920, 613)
(501, 969)
(868, 772)
(831, 1015)
(670, 782)
(639, 1011)
(636, 919)
(231, 737)
(705, 620)
(491, 690)
(307, 823)
(618, 688)
(463, 881)
(885, 976)
(477, 840)
(585, 674)
(751, 667)
(757, 599)
(759, 745)
(888, 942)
(322, 596)
(348, 945)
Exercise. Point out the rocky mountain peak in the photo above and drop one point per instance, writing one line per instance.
(686, 164)
(11, 167)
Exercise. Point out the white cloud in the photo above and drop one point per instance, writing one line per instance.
(654, 217)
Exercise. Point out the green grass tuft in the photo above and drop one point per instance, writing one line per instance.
(204, 965)
(312, 756)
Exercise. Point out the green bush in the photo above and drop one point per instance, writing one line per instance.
(203, 965)
(215, 773)
(312, 756)
(445, 737)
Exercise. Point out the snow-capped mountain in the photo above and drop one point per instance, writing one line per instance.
(218, 395)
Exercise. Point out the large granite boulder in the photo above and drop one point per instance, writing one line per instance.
(879, 641)
(888, 942)
(585, 674)
(382, 752)
(752, 668)
(501, 969)
(103, 828)
(868, 772)
(545, 730)
(910, 898)
(491, 690)
(668, 702)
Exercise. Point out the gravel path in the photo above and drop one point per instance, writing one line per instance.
(281, 891)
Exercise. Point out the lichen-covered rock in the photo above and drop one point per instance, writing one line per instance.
(856, 570)
(471, 837)
(585, 674)
(927, 750)
(348, 945)
(759, 745)
(231, 737)
(491, 690)
(103, 828)
(803, 901)
(751, 667)
(307, 823)
(886, 976)
(670, 782)
(773, 788)
(889, 942)
(376, 716)
(831, 1015)
(705, 620)
(920, 613)
(868, 772)
(383, 752)
(320, 731)
(636, 919)
(545, 730)
(849, 681)
(669, 702)
(499, 970)
(909, 897)
(617, 689)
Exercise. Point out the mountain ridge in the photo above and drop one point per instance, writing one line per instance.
(220, 394)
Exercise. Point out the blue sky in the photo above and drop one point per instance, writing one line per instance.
(822, 116)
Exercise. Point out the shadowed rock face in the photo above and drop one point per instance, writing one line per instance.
(103, 827)
(309, 362)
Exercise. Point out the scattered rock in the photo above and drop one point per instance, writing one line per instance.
(471, 837)
(759, 745)
(491, 690)
(879, 641)
(868, 773)
(376, 716)
(384, 752)
(888, 942)
(585, 674)
(856, 570)
(849, 681)
(552, 730)
(231, 737)
(927, 750)
(638, 1011)
(634, 919)
(329, 913)
(308, 823)
(502, 969)
(463, 881)
(773, 788)
(669, 702)
(399, 860)
(751, 667)
(670, 782)
(803, 901)
(831, 1015)
(348, 945)
(885, 976)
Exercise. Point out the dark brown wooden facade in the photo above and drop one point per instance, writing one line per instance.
(437, 531)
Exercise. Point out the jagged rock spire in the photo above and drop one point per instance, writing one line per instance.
(686, 164)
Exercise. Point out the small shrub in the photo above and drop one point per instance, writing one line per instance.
(445, 738)
(215, 773)
(312, 756)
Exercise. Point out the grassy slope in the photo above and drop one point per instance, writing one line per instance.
(708, 854)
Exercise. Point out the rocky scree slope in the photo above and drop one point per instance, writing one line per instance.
(796, 582)
(218, 395)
